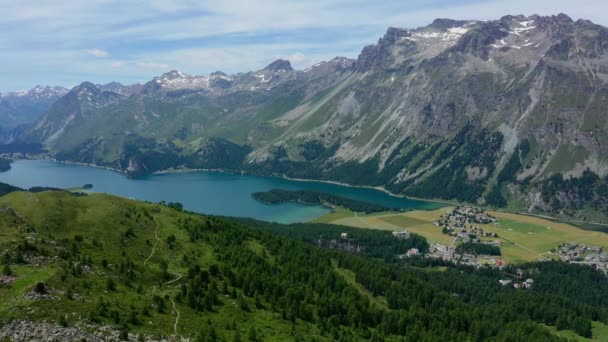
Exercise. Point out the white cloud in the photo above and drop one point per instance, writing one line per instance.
(197, 36)
(152, 65)
(298, 58)
(98, 53)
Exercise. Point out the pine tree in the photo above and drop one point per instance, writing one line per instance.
(6, 270)
(253, 335)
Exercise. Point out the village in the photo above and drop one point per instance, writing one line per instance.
(462, 224)
(583, 254)
(471, 245)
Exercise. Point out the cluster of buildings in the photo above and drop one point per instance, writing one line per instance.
(449, 253)
(583, 254)
(402, 235)
(474, 234)
(527, 284)
(517, 280)
(344, 243)
(462, 216)
(461, 223)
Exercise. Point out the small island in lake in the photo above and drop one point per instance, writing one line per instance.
(276, 196)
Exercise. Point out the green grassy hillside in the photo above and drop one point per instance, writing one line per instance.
(113, 261)
(156, 271)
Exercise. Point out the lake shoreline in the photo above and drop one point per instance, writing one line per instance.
(283, 176)
(444, 203)
(67, 162)
(273, 175)
(308, 180)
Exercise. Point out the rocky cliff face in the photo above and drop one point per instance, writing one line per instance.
(470, 110)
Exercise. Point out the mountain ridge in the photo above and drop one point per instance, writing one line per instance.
(479, 111)
(23, 107)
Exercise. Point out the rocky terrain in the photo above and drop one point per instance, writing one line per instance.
(478, 111)
(22, 330)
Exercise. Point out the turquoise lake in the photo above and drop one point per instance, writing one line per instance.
(213, 193)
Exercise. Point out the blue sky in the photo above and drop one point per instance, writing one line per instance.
(66, 42)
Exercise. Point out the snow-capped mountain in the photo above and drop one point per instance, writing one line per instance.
(440, 111)
(21, 107)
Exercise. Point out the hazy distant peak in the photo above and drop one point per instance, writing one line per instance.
(279, 65)
(173, 74)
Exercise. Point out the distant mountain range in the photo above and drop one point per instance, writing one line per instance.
(23, 107)
(493, 112)
(17, 108)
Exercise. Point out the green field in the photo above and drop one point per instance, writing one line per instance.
(520, 227)
(420, 222)
(402, 220)
(524, 238)
(600, 333)
(336, 214)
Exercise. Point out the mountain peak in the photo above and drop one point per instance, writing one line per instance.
(279, 65)
(173, 74)
(444, 24)
(563, 18)
(113, 84)
(86, 85)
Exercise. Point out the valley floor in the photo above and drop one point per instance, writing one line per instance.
(523, 238)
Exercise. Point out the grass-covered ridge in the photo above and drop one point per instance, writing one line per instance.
(154, 270)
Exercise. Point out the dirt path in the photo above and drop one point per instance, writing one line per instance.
(156, 233)
(175, 310)
(177, 313)
(362, 220)
(178, 277)
(525, 248)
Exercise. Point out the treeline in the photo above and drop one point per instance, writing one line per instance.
(477, 248)
(467, 149)
(310, 289)
(556, 298)
(575, 193)
(266, 268)
(33, 148)
(372, 243)
(5, 164)
(508, 174)
(276, 196)
(7, 189)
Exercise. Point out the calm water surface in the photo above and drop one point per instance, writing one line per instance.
(204, 192)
